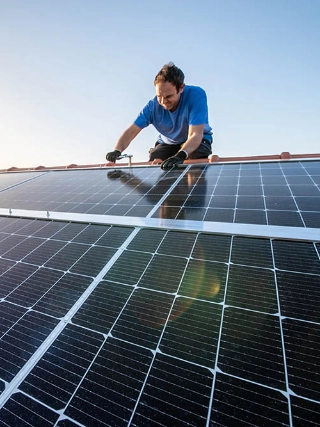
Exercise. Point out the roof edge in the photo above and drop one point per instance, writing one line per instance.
(214, 158)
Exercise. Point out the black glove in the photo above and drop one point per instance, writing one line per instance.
(113, 155)
(174, 161)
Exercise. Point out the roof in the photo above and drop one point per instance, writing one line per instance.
(134, 296)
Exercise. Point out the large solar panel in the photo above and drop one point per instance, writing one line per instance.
(137, 297)
(274, 193)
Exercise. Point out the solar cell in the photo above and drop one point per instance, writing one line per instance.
(28, 409)
(302, 352)
(304, 411)
(251, 347)
(236, 402)
(127, 322)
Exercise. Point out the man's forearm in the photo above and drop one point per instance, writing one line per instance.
(192, 143)
(127, 136)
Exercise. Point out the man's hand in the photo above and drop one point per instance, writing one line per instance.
(174, 161)
(113, 155)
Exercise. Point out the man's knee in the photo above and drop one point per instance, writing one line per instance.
(202, 152)
(156, 154)
(162, 151)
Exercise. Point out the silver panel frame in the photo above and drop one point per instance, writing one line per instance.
(249, 230)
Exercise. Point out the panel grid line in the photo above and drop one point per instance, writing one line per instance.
(237, 195)
(263, 194)
(282, 340)
(216, 368)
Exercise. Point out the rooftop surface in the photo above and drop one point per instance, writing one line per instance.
(132, 296)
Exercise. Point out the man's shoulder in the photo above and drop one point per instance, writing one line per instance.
(193, 90)
(194, 94)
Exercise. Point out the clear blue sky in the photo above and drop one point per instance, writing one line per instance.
(75, 73)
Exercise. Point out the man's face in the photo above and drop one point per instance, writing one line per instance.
(167, 95)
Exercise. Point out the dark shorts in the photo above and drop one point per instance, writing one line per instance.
(164, 151)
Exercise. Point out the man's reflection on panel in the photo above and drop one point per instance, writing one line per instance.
(187, 199)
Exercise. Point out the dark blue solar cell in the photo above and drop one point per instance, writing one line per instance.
(250, 216)
(309, 203)
(304, 412)
(280, 203)
(302, 348)
(253, 252)
(285, 218)
(20, 410)
(251, 344)
(237, 401)
(311, 219)
(252, 288)
(296, 256)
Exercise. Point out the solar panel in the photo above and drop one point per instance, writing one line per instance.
(133, 296)
(277, 193)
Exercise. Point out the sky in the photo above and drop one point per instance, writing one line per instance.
(74, 74)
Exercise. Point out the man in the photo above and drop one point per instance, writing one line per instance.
(180, 113)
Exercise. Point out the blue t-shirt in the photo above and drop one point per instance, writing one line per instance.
(174, 126)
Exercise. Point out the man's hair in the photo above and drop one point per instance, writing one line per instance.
(170, 73)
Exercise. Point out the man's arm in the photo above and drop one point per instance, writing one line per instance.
(127, 136)
(195, 136)
(123, 142)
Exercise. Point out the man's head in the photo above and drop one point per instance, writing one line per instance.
(169, 83)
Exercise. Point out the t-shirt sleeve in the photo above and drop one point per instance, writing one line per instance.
(199, 110)
(144, 118)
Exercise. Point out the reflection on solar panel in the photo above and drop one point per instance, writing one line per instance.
(108, 320)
